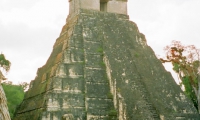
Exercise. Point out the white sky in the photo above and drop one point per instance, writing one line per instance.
(29, 28)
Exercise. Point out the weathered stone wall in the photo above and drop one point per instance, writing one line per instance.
(76, 5)
(119, 7)
(4, 113)
(102, 69)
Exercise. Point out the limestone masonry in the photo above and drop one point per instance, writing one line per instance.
(101, 68)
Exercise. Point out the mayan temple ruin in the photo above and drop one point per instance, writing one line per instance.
(101, 68)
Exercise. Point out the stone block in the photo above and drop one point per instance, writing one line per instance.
(98, 117)
(74, 70)
(93, 47)
(61, 71)
(67, 56)
(77, 55)
(57, 83)
(90, 4)
(103, 103)
(100, 90)
(96, 75)
(73, 84)
(68, 117)
(78, 43)
(94, 61)
(51, 115)
(53, 103)
(75, 5)
(78, 113)
(87, 33)
(71, 42)
(71, 100)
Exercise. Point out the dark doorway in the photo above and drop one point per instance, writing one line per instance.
(103, 5)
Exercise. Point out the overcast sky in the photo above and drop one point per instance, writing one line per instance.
(29, 28)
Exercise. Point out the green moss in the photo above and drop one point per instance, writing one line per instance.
(109, 96)
(112, 112)
(102, 64)
(136, 55)
(82, 62)
(100, 50)
(118, 89)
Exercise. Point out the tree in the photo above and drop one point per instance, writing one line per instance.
(4, 63)
(14, 95)
(4, 66)
(24, 85)
(185, 61)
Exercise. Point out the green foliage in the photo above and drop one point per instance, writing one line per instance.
(14, 95)
(24, 85)
(189, 91)
(186, 63)
(176, 67)
(4, 63)
(188, 87)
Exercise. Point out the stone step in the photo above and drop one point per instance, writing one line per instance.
(145, 97)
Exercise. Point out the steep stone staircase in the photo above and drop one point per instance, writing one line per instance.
(99, 101)
(145, 96)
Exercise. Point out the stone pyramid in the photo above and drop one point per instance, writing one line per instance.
(101, 68)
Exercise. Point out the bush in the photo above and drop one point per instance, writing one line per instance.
(14, 95)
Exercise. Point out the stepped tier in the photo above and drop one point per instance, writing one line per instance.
(101, 68)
